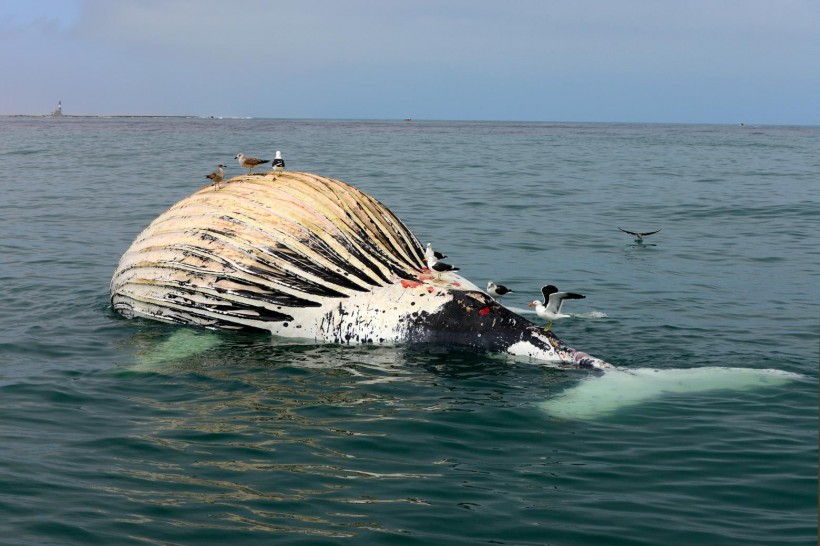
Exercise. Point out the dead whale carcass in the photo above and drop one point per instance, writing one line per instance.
(300, 255)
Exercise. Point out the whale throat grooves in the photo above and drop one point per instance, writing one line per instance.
(261, 249)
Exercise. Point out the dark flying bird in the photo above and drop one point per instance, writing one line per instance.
(639, 236)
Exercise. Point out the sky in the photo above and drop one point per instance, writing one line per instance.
(644, 61)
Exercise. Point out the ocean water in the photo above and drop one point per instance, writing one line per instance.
(134, 432)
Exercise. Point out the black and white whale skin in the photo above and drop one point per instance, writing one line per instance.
(299, 255)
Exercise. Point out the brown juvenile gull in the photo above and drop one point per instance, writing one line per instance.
(249, 162)
(217, 176)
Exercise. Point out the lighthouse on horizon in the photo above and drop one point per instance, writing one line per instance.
(59, 111)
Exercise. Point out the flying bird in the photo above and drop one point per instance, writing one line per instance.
(497, 290)
(430, 252)
(639, 236)
(249, 162)
(553, 300)
(278, 162)
(217, 176)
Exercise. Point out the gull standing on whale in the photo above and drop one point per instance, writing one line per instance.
(497, 290)
(429, 252)
(553, 300)
(278, 162)
(217, 176)
(439, 267)
(249, 162)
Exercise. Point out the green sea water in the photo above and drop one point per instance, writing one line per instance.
(133, 432)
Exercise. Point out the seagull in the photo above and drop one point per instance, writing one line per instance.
(278, 162)
(439, 267)
(249, 162)
(430, 252)
(497, 290)
(639, 236)
(553, 300)
(217, 176)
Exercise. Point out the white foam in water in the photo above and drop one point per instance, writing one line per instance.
(589, 315)
(600, 395)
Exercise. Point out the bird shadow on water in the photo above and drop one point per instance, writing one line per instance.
(639, 251)
(641, 245)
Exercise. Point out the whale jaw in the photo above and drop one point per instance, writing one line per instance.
(473, 319)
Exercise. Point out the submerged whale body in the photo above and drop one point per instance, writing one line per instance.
(304, 256)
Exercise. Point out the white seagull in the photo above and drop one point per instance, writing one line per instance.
(553, 300)
(249, 162)
(429, 252)
(217, 176)
(497, 290)
(439, 267)
(638, 235)
(278, 162)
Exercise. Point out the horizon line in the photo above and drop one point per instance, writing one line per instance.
(406, 119)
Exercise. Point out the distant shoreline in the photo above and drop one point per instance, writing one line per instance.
(399, 120)
(50, 116)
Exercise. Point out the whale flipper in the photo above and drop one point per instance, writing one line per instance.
(605, 394)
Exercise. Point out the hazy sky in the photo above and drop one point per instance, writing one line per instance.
(711, 61)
